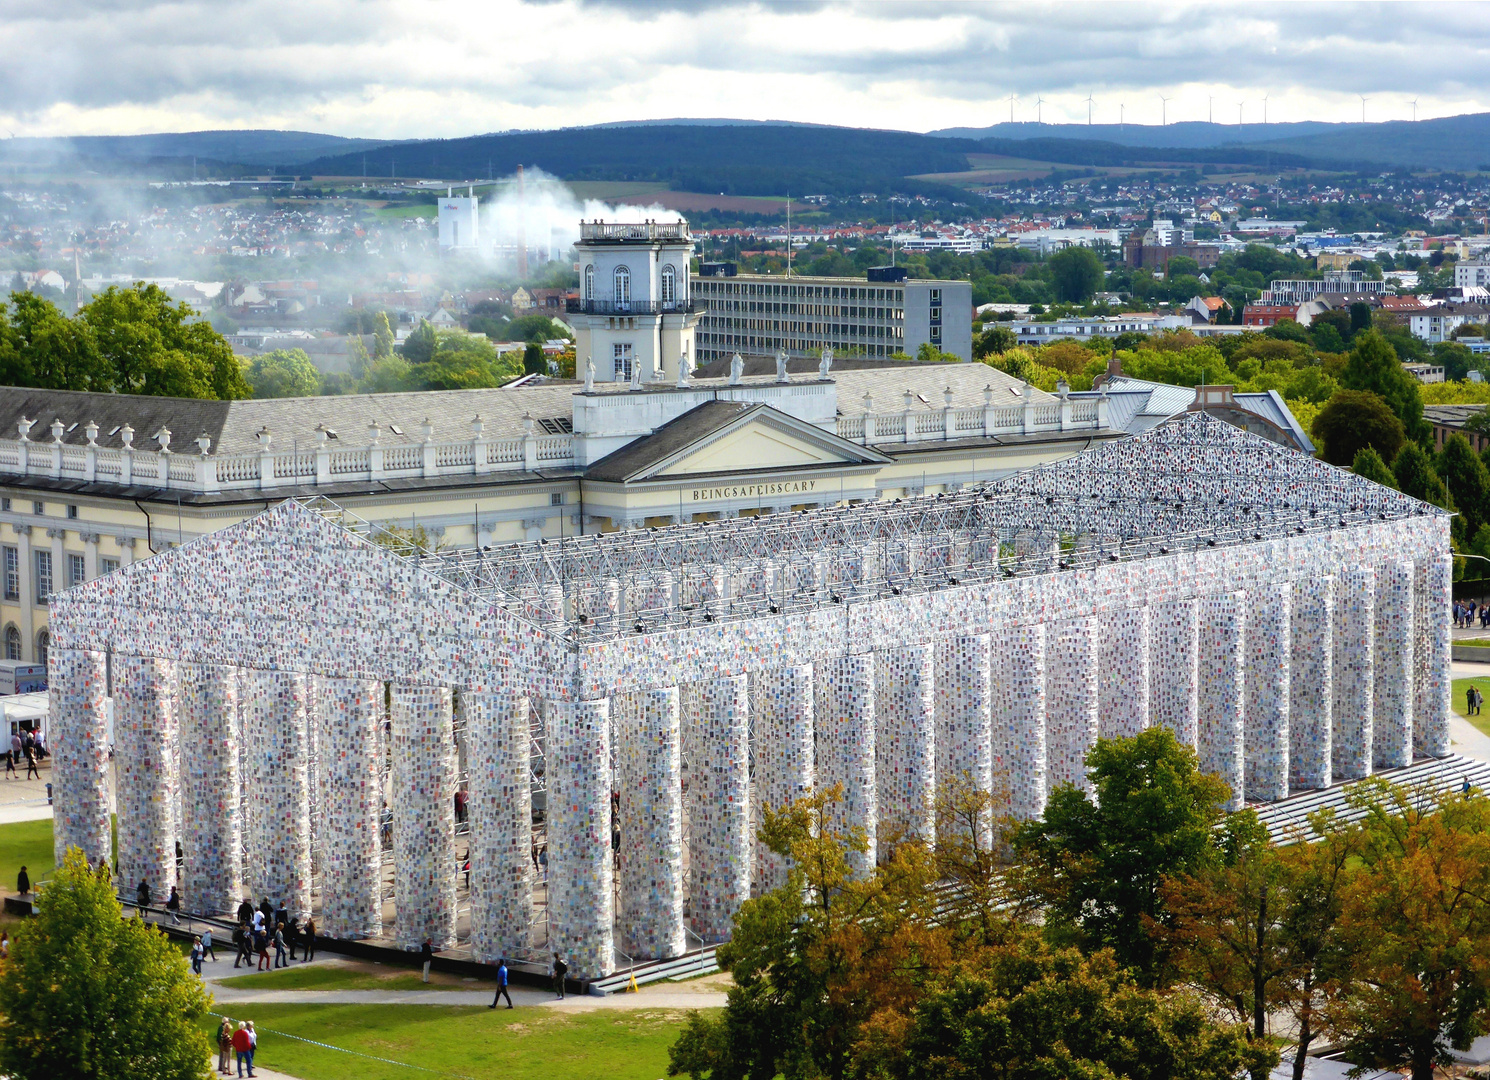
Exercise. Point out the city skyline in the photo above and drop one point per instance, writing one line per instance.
(396, 69)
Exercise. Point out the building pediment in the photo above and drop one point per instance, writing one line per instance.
(730, 437)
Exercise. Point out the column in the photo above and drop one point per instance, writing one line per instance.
(905, 746)
(28, 591)
(1020, 718)
(845, 751)
(782, 747)
(1431, 687)
(80, 753)
(1123, 673)
(146, 764)
(717, 741)
(501, 816)
(965, 751)
(1174, 650)
(1223, 622)
(1070, 702)
(649, 776)
(1311, 681)
(1269, 635)
(350, 716)
(211, 830)
(277, 779)
(1391, 710)
(580, 883)
(1354, 677)
(424, 868)
(90, 555)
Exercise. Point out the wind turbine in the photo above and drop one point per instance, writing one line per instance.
(1163, 110)
(1088, 109)
(1414, 104)
(1210, 109)
(1120, 116)
(1363, 107)
(1011, 108)
(1039, 113)
(1264, 110)
(1239, 105)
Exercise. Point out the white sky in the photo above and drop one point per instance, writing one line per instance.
(431, 68)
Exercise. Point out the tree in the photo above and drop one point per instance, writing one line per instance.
(1327, 338)
(1373, 366)
(1417, 477)
(533, 359)
(157, 346)
(533, 327)
(382, 336)
(1353, 420)
(1368, 463)
(1415, 928)
(1182, 266)
(1023, 1010)
(419, 346)
(1098, 862)
(87, 993)
(1467, 480)
(1076, 273)
(1456, 359)
(41, 347)
(282, 373)
(994, 341)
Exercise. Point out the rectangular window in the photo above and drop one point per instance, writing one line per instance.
(936, 296)
(622, 355)
(107, 566)
(38, 508)
(77, 570)
(43, 575)
(72, 510)
(5, 504)
(12, 573)
(556, 498)
(936, 335)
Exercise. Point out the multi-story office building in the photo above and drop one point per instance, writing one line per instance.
(765, 313)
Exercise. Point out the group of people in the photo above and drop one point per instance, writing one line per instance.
(242, 1040)
(1473, 699)
(27, 746)
(200, 948)
(260, 928)
(1466, 611)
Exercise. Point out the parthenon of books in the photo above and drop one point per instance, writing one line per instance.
(297, 704)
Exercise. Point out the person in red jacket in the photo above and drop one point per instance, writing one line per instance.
(243, 1045)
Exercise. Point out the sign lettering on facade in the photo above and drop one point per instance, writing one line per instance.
(753, 491)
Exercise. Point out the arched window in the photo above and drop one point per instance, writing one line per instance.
(590, 282)
(623, 285)
(12, 642)
(43, 643)
(669, 284)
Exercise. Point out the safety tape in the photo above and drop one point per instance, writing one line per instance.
(354, 1053)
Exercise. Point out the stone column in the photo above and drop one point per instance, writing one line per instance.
(1019, 720)
(1433, 583)
(27, 599)
(212, 834)
(1223, 623)
(650, 780)
(782, 749)
(350, 717)
(146, 764)
(277, 753)
(1354, 677)
(501, 817)
(80, 753)
(717, 739)
(1123, 673)
(965, 749)
(90, 554)
(1391, 710)
(580, 878)
(1267, 717)
(424, 872)
(845, 718)
(905, 746)
(1174, 649)
(1070, 701)
(1311, 681)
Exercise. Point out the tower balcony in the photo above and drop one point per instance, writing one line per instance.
(646, 230)
(573, 305)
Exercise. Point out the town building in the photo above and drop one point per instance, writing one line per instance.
(1448, 420)
(1254, 315)
(1438, 323)
(1472, 274)
(460, 223)
(1297, 291)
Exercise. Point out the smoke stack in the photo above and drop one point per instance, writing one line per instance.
(522, 236)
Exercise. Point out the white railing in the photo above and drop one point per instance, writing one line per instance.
(1029, 417)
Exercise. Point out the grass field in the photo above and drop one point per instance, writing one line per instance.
(315, 976)
(389, 213)
(523, 1044)
(1460, 686)
(25, 843)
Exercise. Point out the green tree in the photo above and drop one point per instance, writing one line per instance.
(382, 336)
(534, 362)
(89, 994)
(1373, 366)
(1327, 338)
(1098, 862)
(1076, 273)
(534, 327)
(419, 347)
(282, 373)
(1182, 266)
(1368, 463)
(1456, 359)
(158, 346)
(1417, 477)
(994, 341)
(1352, 420)
(1468, 481)
(41, 347)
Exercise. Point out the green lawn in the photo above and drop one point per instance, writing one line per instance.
(28, 844)
(523, 1044)
(406, 211)
(315, 976)
(1474, 643)
(1460, 686)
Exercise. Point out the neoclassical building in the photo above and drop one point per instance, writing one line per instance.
(285, 685)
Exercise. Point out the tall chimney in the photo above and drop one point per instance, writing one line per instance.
(522, 236)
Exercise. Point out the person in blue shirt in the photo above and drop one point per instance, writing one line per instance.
(501, 985)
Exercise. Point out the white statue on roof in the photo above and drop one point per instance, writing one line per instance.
(781, 365)
(589, 374)
(685, 369)
(736, 370)
(827, 363)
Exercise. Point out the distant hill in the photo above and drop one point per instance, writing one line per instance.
(277, 148)
(761, 159)
(1178, 134)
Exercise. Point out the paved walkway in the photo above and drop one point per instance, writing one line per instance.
(25, 800)
(1465, 737)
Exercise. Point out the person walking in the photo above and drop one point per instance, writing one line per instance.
(279, 947)
(173, 904)
(261, 943)
(292, 934)
(253, 1046)
(243, 938)
(1469, 701)
(246, 911)
(560, 970)
(142, 896)
(243, 1045)
(31, 769)
(10, 764)
(501, 985)
(207, 946)
(196, 956)
(224, 1046)
(427, 956)
(15, 747)
(310, 940)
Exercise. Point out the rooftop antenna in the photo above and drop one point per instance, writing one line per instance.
(1089, 109)
(1414, 104)
(1039, 111)
(1363, 107)
(1163, 110)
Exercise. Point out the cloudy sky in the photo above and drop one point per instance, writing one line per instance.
(416, 68)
